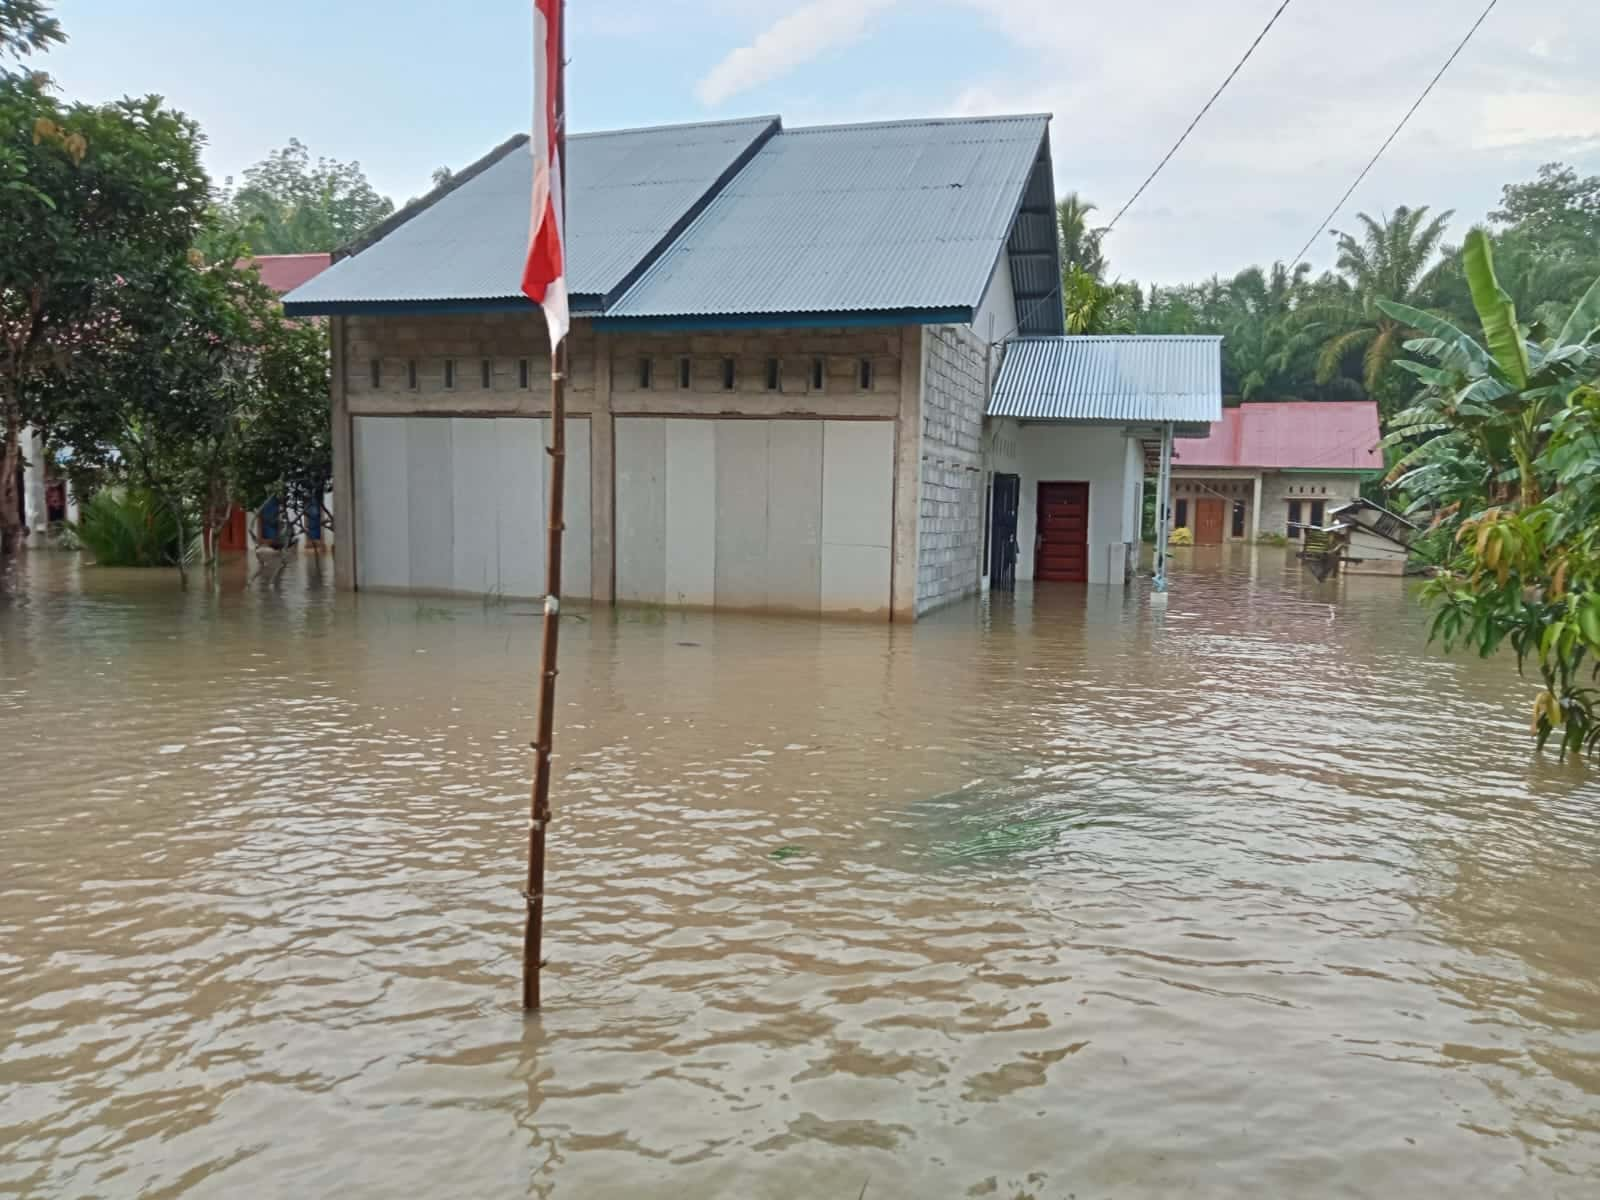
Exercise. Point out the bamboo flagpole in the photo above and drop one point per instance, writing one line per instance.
(544, 281)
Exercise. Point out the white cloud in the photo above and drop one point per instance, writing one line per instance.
(797, 38)
(1302, 117)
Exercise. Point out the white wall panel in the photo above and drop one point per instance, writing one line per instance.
(457, 504)
(742, 479)
(429, 504)
(383, 549)
(576, 553)
(691, 512)
(518, 482)
(474, 506)
(794, 515)
(755, 513)
(641, 509)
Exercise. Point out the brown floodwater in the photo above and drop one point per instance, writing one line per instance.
(1065, 894)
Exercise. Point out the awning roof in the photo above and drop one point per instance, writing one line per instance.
(1134, 379)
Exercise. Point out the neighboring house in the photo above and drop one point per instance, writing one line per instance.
(285, 272)
(1074, 424)
(1275, 467)
(783, 347)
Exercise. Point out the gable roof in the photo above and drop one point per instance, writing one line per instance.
(1283, 435)
(734, 222)
(627, 191)
(285, 272)
(1139, 378)
(900, 216)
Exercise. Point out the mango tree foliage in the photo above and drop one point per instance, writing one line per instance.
(95, 201)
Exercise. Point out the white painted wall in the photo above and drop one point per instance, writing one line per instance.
(753, 513)
(1098, 455)
(995, 318)
(457, 504)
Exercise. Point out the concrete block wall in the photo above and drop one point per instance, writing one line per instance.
(796, 353)
(955, 389)
(1280, 487)
(504, 340)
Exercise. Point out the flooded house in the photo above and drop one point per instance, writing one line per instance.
(784, 348)
(1276, 467)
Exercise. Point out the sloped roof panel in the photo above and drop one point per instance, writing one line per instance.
(1149, 378)
(1291, 434)
(626, 190)
(852, 218)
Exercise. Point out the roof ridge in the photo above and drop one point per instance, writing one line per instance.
(768, 118)
(909, 122)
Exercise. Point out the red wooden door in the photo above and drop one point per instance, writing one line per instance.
(1063, 554)
(1208, 521)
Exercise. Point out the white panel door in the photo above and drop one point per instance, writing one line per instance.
(517, 476)
(383, 541)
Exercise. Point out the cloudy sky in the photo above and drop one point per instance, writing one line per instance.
(406, 86)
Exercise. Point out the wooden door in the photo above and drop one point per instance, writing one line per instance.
(1063, 534)
(1208, 521)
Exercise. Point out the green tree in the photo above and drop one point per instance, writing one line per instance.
(204, 395)
(97, 197)
(1559, 209)
(1393, 259)
(287, 204)
(1504, 443)
(1081, 244)
(26, 27)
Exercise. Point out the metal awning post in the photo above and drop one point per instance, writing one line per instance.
(1163, 508)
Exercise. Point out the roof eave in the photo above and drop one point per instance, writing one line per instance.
(670, 323)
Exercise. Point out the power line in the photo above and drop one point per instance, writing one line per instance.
(1454, 54)
(1205, 109)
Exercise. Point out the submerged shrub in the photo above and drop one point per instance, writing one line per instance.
(128, 529)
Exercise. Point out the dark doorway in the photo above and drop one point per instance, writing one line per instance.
(1006, 496)
(1063, 554)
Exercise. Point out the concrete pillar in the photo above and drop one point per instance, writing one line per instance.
(602, 481)
(1163, 509)
(907, 475)
(37, 517)
(1255, 506)
(344, 491)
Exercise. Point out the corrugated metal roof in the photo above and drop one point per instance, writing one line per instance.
(1134, 378)
(285, 272)
(1288, 434)
(626, 191)
(852, 218)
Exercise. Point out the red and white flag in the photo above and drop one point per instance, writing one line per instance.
(544, 278)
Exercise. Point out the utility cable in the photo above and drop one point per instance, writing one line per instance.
(1204, 109)
(1349, 191)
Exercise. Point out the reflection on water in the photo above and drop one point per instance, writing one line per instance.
(1242, 893)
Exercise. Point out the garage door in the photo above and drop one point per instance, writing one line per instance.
(457, 504)
(756, 514)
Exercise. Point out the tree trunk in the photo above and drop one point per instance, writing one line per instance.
(10, 509)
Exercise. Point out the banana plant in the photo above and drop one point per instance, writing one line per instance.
(1503, 441)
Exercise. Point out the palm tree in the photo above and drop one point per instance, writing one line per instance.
(1392, 260)
(1080, 244)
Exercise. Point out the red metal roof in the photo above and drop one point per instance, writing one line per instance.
(1288, 435)
(285, 272)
